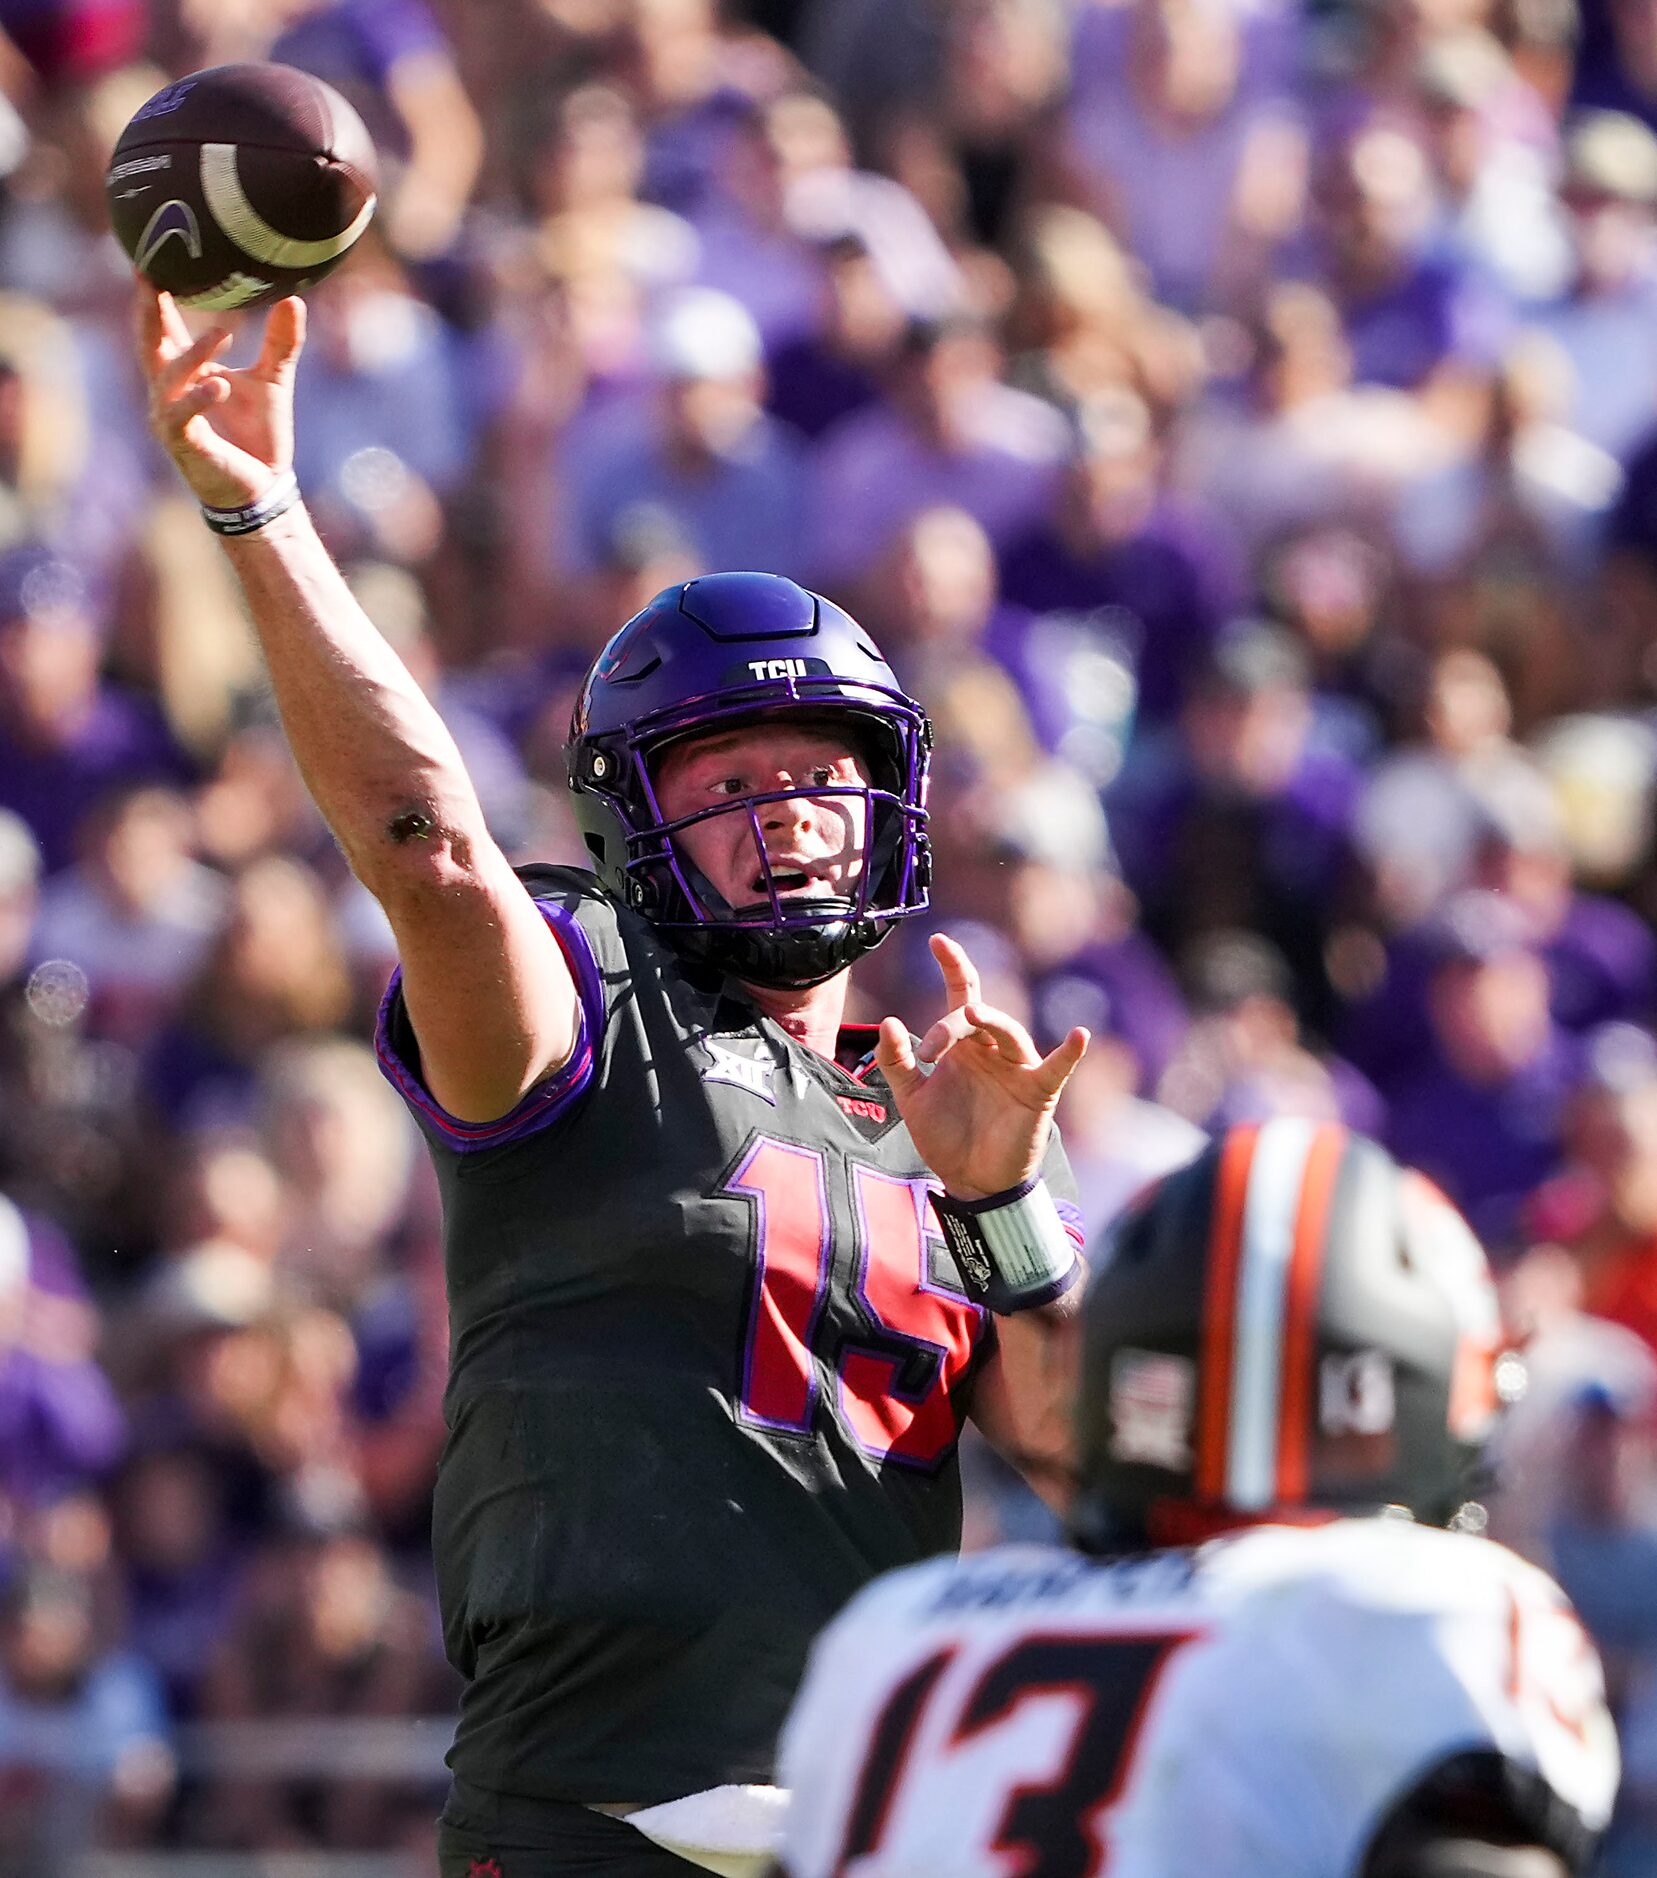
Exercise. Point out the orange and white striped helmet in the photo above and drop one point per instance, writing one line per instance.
(1292, 1325)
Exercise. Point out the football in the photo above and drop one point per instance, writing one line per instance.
(239, 184)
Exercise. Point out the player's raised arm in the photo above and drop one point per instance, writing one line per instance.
(488, 992)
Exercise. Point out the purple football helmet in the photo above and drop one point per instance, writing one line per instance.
(717, 653)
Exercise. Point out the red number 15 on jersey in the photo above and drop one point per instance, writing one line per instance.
(894, 1389)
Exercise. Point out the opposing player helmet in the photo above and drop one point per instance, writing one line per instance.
(717, 653)
(1291, 1324)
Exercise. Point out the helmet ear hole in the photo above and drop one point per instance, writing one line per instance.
(595, 846)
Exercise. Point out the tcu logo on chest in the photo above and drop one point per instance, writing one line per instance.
(891, 1378)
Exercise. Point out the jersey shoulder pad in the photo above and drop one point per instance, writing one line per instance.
(571, 887)
(1457, 1643)
(578, 894)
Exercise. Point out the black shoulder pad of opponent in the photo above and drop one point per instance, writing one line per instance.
(1479, 1815)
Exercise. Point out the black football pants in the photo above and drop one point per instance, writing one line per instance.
(478, 1837)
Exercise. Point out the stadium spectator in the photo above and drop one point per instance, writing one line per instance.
(180, 1562)
(136, 914)
(69, 736)
(948, 431)
(275, 971)
(1243, 1057)
(1531, 495)
(748, 243)
(388, 427)
(1421, 818)
(60, 1425)
(1337, 592)
(343, 1150)
(695, 72)
(1237, 817)
(321, 1633)
(84, 1753)
(1602, 1543)
(936, 602)
(1118, 1140)
(1118, 544)
(1184, 145)
(1413, 318)
(971, 148)
(701, 450)
(583, 176)
(825, 375)
(1603, 318)
(1306, 442)
(1601, 957)
(1602, 1208)
(1482, 1113)
(1493, 155)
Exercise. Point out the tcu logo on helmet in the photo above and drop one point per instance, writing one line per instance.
(777, 668)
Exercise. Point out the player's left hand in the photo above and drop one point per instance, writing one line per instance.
(981, 1115)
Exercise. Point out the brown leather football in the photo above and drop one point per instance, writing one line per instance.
(240, 184)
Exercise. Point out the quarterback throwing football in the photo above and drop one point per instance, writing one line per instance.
(1265, 1656)
(711, 1350)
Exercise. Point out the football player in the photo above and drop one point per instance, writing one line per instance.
(1276, 1648)
(710, 1349)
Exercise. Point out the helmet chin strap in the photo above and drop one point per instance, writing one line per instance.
(787, 959)
(781, 958)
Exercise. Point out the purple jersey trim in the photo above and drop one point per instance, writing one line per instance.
(547, 1100)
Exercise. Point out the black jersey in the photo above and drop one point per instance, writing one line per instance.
(709, 1363)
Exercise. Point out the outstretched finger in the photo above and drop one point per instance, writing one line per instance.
(1055, 1069)
(960, 974)
(172, 320)
(284, 339)
(152, 332)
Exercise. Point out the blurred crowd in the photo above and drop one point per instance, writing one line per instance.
(1236, 419)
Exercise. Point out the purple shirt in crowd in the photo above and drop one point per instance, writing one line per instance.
(354, 45)
(1434, 313)
(1118, 988)
(875, 473)
(808, 387)
(746, 511)
(122, 740)
(60, 1424)
(1487, 1146)
(1180, 577)
(1602, 967)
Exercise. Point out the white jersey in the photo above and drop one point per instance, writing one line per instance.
(1251, 1709)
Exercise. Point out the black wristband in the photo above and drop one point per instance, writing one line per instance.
(277, 500)
(1011, 1248)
